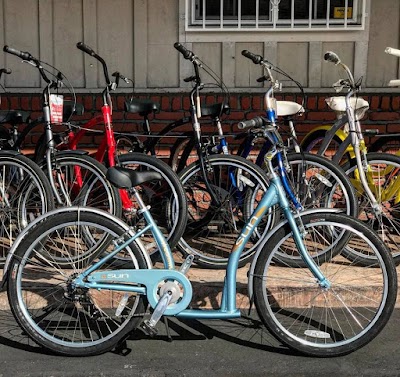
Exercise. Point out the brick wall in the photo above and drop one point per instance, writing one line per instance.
(384, 112)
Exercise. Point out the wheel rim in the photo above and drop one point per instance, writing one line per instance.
(73, 318)
(318, 317)
(22, 200)
(212, 231)
(387, 223)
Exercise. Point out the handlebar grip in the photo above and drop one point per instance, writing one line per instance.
(257, 59)
(85, 48)
(255, 122)
(7, 71)
(183, 50)
(394, 82)
(332, 57)
(392, 51)
(21, 54)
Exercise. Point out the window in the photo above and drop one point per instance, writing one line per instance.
(274, 14)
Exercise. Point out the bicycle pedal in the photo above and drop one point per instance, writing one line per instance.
(148, 329)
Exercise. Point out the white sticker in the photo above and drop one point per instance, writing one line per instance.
(56, 108)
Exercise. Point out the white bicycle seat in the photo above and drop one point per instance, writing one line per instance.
(339, 103)
(286, 108)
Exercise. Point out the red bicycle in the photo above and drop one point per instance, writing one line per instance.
(165, 198)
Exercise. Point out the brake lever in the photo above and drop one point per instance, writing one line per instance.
(262, 79)
(338, 86)
(32, 63)
(190, 79)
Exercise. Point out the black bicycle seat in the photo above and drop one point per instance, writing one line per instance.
(14, 116)
(215, 110)
(126, 178)
(142, 106)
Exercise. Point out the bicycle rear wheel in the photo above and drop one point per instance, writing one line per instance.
(212, 229)
(25, 194)
(384, 180)
(46, 303)
(326, 321)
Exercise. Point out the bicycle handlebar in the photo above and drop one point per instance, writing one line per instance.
(257, 59)
(187, 54)
(85, 48)
(255, 122)
(24, 55)
(392, 51)
(88, 50)
(21, 54)
(332, 57)
(7, 71)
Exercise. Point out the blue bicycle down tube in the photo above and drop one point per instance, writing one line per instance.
(285, 182)
(282, 171)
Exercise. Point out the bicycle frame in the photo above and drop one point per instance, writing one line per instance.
(151, 278)
(355, 144)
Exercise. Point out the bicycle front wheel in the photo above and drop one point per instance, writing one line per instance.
(81, 180)
(214, 227)
(330, 320)
(44, 299)
(183, 152)
(387, 144)
(312, 142)
(319, 183)
(25, 194)
(383, 176)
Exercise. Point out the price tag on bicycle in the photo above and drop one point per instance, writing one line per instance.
(56, 102)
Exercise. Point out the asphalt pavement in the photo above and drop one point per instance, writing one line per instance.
(240, 347)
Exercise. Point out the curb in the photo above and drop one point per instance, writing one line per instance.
(208, 284)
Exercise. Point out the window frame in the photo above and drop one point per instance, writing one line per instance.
(194, 23)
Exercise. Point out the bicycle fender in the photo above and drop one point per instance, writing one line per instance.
(340, 133)
(282, 223)
(9, 153)
(43, 217)
(78, 152)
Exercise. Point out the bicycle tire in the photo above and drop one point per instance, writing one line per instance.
(165, 197)
(25, 195)
(57, 316)
(332, 321)
(212, 231)
(181, 150)
(385, 170)
(41, 146)
(94, 190)
(389, 144)
(323, 177)
(317, 183)
(310, 144)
